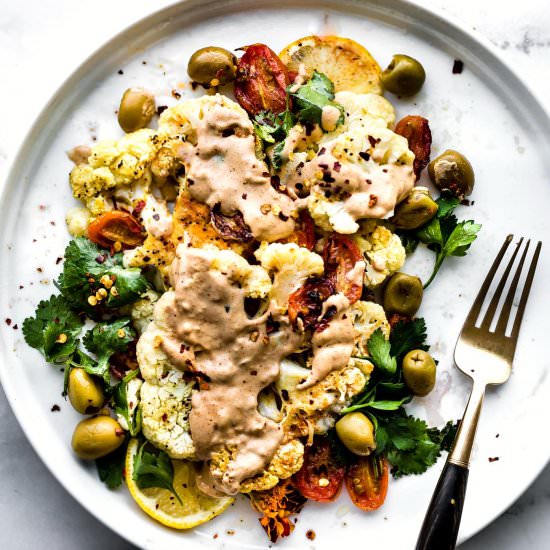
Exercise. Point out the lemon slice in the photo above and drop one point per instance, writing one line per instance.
(161, 505)
(350, 66)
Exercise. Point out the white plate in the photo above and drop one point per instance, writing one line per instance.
(487, 112)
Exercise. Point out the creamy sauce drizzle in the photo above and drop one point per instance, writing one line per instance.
(329, 117)
(333, 346)
(79, 154)
(371, 193)
(222, 168)
(238, 359)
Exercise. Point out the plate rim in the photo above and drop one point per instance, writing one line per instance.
(407, 8)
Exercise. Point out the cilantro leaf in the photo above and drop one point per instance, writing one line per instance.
(154, 469)
(408, 335)
(85, 264)
(110, 468)
(410, 446)
(316, 93)
(120, 395)
(105, 339)
(379, 351)
(445, 235)
(53, 330)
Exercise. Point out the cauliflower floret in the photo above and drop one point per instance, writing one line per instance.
(313, 410)
(113, 164)
(165, 412)
(133, 397)
(366, 318)
(77, 220)
(384, 254)
(330, 215)
(142, 311)
(253, 278)
(290, 265)
(154, 364)
(183, 118)
(288, 459)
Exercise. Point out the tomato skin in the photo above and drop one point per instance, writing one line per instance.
(261, 81)
(340, 255)
(416, 130)
(306, 303)
(366, 490)
(319, 464)
(304, 234)
(116, 226)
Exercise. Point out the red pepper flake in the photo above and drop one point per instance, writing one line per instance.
(373, 199)
(120, 71)
(498, 435)
(364, 155)
(176, 94)
(336, 166)
(310, 534)
(21, 287)
(494, 458)
(8, 321)
(15, 327)
(52, 223)
(42, 207)
(58, 260)
(55, 408)
(39, 269)
(458, 66)
(215, 536)
(161, 109)
(230, 531)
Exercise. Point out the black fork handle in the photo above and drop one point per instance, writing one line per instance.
(442, 521)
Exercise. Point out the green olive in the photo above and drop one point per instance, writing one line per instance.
(419, 372)
(96, 437)
(404, 76)
(415, 210)
(356, 432)
(136, 109)
(452, 171)
(403, 294)
(212, 66)
(85, 394)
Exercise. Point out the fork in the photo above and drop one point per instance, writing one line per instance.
(485, 356)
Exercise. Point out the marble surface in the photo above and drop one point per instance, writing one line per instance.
(42, 41)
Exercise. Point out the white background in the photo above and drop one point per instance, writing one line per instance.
(41, 42)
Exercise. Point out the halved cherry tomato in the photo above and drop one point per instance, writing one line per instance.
(367, 482)
(321, 476)
(306, 303)
(261, 80)
(230, 228)
(116, 226)
(304, 234)
(340, 255)
(417, 131)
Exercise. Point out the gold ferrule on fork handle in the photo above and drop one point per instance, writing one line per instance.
(464, 441)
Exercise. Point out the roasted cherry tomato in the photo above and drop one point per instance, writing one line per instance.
(261, 80)
(230, 228)
(304, 234)
(417, 131)
(306, 303)
(321, 476)
(340, 255)
(116, 226)
(367, 482)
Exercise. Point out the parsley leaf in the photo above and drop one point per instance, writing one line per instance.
(446, 236)
(379, 351)
(408, 335)
(104, 340)
(85, 264)
(53, 330)
(120, 395)
(154, 469)
(110, 468)
(410, 446)
(316, 93)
